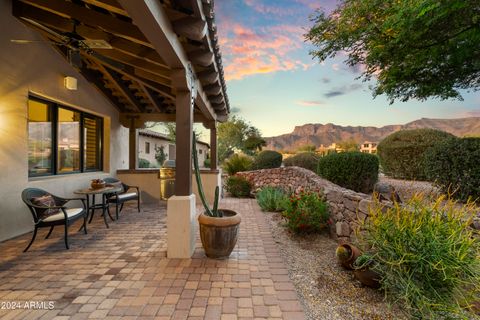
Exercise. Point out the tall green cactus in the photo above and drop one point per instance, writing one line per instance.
(209, 212)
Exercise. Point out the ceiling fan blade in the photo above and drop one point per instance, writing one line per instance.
(22, 41)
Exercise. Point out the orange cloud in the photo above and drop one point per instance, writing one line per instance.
(249, 51)
(310, 103)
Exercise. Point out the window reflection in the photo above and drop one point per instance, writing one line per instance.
(39, 138)
(68, 140)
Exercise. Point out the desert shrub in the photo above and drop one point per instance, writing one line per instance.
(426, 255)
(454, 165)
(272, 199)
(352, 170)
(267, 159)
(143, 163)
(207, 163)
(306, 212)
(307, 160)
(237, 163)
(402, 153)
(238, 186)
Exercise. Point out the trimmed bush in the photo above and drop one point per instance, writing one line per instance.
(143, 163)
(237, 163)
(307, 160)
(239, 187)
(272, 199)
(352, 170)
(454, 165)
(306, 212)
(402, 153)
(426, 255)
(267, 159)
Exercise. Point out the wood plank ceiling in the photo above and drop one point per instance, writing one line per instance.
(117, 58)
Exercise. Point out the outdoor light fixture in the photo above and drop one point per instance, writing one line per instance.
(70, 83)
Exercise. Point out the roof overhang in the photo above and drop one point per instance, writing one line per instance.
(145, 52)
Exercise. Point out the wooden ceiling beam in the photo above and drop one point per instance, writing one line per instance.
(153, 98)
(190, 28)
(118, 82)
(110, 5)
(92, 18)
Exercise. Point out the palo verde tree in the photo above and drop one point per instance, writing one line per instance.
(414, 48)
(238, 135)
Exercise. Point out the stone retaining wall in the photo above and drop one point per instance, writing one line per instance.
(347, 207)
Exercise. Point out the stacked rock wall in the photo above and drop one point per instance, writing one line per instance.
(346, 207)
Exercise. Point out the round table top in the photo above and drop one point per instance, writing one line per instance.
(109, 189)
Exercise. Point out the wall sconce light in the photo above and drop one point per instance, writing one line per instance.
(70, 83)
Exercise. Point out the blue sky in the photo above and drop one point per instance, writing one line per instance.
(275, 84)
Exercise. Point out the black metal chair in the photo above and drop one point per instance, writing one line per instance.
(119, 198)
(58, 213)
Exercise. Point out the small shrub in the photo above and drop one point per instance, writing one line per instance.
(454, 165)
(207, 163)
(267, 159)
(402, 153)
(426, 255)
(143, 163)
(237, 163)
(272, 199)
(307, 160)
(238, 186)
(352, 170)
(306, 212)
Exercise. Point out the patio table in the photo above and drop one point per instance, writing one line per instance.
(104, 205)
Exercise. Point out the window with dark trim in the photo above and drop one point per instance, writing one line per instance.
(147, 147)
(62, 140)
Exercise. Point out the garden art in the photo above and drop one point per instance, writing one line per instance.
(359, 250)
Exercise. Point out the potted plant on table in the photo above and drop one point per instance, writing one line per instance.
(218, 227)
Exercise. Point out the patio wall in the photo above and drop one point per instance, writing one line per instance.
(346, 207)
(38, 69)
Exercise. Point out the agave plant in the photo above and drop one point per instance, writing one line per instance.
(214, 212)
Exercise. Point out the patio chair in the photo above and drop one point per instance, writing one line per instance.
(119, 198)
(49, 210)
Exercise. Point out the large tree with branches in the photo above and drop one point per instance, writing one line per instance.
(414, 48)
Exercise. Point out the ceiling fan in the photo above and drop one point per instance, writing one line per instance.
(73, 41)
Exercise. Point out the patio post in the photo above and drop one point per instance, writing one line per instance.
(181, 210)
(132, 144)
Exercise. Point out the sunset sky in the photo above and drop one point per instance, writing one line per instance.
(273, 82)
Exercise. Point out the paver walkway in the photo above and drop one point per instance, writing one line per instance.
(123, 273)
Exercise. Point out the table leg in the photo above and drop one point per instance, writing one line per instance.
(93, 207)
(87, 209)
(104, 208)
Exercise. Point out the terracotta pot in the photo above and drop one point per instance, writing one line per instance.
(367, 277)
(354, 254)
(219, 235)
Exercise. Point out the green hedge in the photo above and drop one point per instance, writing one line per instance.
(352, 170)
(402, 153)
(237, 163)
(454, 165)
(267, 159)
(238, 186)
(307, 160)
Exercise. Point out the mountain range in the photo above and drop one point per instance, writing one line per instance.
(326, 134)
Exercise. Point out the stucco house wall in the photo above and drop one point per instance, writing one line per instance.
(37, 69)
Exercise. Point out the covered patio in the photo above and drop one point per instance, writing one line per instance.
(123, 272)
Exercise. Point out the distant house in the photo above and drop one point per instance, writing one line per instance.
(150, 141)
(333, 148)
(368, 147)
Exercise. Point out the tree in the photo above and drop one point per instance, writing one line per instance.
(307, 148)
(160, 155)
(348, 145)
(415, 48)
(238, 135)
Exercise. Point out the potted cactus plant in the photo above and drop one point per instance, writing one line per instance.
(347, 254)
(218, 227)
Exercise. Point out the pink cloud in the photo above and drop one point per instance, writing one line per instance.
(310, 103)
(248, 51)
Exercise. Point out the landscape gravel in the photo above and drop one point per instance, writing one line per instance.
(326, 289)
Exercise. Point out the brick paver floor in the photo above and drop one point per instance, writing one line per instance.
(123, 273)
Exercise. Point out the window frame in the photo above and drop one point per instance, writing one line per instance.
(53, 109)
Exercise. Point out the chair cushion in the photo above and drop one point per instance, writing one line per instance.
(60, 216)
(45, 201)
(125, 196)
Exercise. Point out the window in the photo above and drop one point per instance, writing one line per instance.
(147, 147)
(62, 140)
(200, 151)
